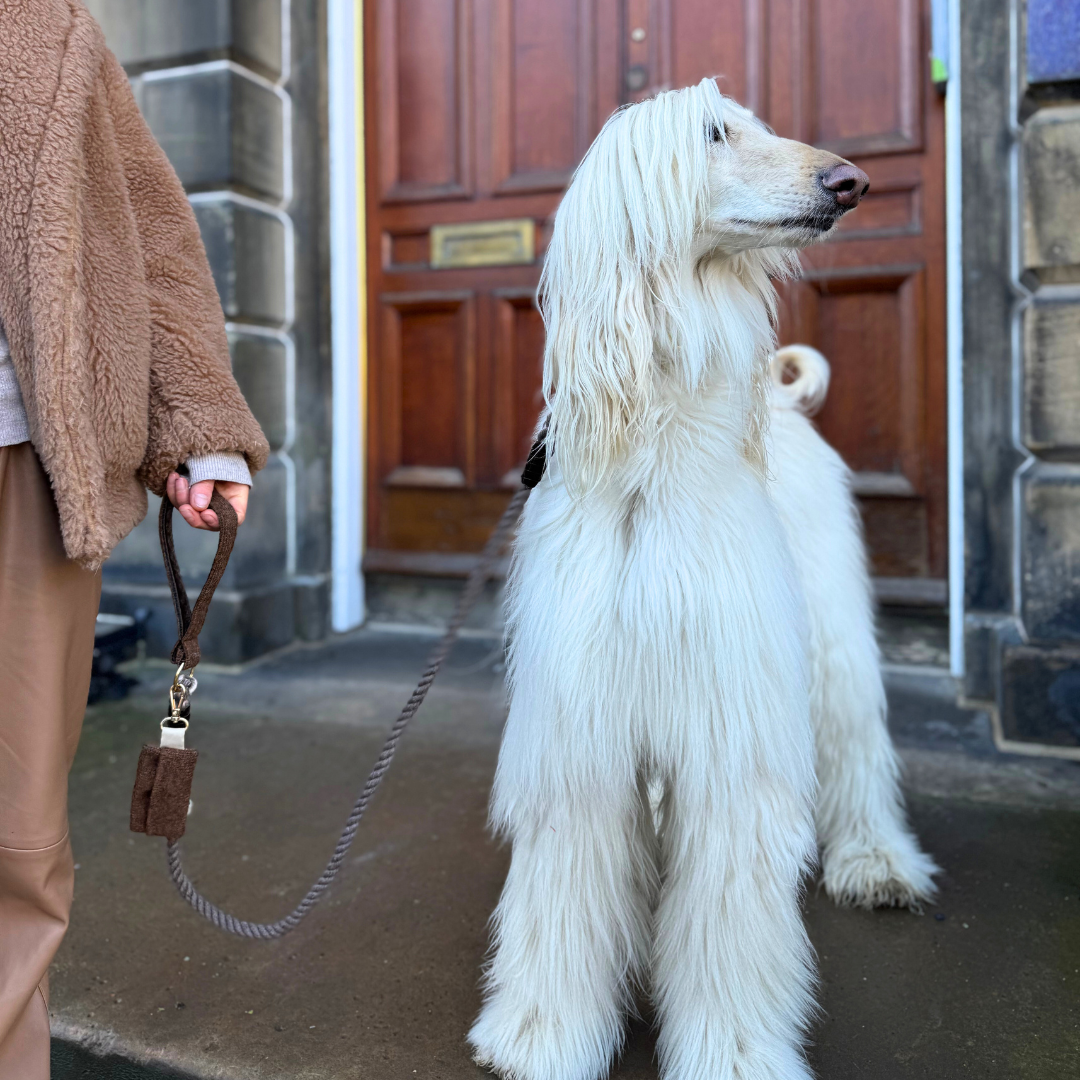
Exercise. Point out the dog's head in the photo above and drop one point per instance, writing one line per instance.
(765, 191)
(660, 265)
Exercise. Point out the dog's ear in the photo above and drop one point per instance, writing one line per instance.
(613, 300)
(596, 299)
(624, 216)
(597, 375)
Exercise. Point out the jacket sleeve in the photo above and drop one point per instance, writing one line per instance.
(196, 408)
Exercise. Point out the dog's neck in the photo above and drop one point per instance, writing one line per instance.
(640, 358)
(713, 333)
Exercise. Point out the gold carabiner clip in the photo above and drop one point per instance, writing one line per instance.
(176, 693)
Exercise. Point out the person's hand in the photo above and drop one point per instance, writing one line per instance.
(192, 500)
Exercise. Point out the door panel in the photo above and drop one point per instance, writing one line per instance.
(541, 92)
(721, 39)
(423, 116)
(428, 340)
(853, 77)
(519, 345)
(857, 319)
(478, 111)
(865, 65)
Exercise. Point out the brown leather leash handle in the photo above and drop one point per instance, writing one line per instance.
(222, 919)
(189, 620)
(161, 797)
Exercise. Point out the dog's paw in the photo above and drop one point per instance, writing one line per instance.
(526, 1045)
(717, 1059)
(892, 873)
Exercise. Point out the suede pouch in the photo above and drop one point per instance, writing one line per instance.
(162, 792)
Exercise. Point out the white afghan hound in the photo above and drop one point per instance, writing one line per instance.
(688, 607)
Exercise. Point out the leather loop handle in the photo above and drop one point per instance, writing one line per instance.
(189, 620)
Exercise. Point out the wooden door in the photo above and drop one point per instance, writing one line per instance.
(854, 78)
(478, 110)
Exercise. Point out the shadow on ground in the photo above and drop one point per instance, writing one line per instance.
(381, 982)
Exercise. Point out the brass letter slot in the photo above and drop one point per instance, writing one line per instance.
(483, 243)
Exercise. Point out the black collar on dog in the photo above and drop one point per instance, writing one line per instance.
(536, 462)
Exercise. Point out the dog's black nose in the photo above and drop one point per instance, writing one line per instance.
(847, 184)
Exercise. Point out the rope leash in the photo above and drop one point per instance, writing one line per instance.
(188, 644)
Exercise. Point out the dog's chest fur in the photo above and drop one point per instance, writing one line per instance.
(667, 533)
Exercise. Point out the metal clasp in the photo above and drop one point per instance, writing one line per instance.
(184, 684)
(174, 726)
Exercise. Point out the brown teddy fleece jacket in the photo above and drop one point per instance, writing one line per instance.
(114, 324)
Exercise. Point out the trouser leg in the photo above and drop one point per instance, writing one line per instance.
(47, 610)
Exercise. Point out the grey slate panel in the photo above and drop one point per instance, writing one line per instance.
(259, 364)
(246, 248)
(219, 128)
(151, 32)
(1052, 376)
(1050, 552)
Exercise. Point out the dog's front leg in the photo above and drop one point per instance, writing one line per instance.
(570, 934)
(733, 968)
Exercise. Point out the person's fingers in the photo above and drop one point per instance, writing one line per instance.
(193, 500)
(183, 490)
(176, 488)
(237, 494)
(200, 494)
(191, 516)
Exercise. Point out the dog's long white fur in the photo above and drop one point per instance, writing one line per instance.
(659, 633)
(869, 856)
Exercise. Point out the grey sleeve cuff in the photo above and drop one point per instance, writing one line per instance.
(220, 466)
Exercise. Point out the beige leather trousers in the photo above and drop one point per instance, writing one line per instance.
(47, 610)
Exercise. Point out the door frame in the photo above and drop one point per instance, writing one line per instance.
(348, 277)
(348, 309)
(954, 347)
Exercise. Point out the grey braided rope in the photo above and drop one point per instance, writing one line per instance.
(268, 931)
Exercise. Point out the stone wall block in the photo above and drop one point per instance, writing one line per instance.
(1052, 377)
(1052, 188)
(311, 608)
(259, 364)
(260, 555)
(258, 559)
(1050, 553)
(152, 32)
(257, 31)
(239, 626)
(137, 558)
(1040, 694)
(260, 622)
(246, 249)
(219, 129)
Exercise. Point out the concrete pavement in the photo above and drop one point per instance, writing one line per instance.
(381, 981)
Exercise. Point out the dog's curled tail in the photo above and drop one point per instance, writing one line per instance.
(800, 377)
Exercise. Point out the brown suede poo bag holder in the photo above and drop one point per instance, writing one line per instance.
(162, 793)
(161, 797)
